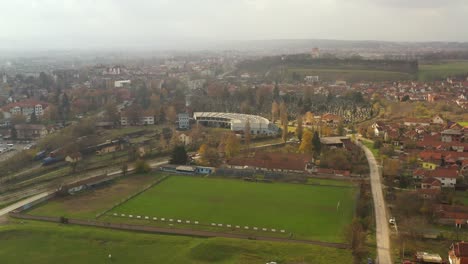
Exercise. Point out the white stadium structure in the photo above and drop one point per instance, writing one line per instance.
(236, 122)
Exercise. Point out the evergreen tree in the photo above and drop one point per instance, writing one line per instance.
(179, 155)
(316, 143)
(299, 128)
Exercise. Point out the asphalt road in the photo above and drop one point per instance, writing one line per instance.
(381, 219)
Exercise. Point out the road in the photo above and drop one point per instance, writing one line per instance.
(12, 207)
(381, 219)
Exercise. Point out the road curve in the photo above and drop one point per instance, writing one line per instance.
(381, 219)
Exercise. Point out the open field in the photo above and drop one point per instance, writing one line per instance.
(37, 242)
(441, 70)
(351, 75)
(306, 211)
(89, 203)
(329, 182)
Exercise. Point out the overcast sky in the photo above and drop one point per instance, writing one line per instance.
(144, 23)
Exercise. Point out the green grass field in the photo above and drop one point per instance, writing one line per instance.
(309, 212)
(463, 123)
(329, 182)
(36, 242)
(437, 71)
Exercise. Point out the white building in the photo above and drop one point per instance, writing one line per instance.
(236, 122)
(183, 121)
(122, 83)
(26, 108)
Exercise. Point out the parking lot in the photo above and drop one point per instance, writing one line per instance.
(10, 148)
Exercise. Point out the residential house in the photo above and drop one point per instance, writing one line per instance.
(458, 253)
(30, 131)
(451, 135)
(185, 139)
(74, 157)
(144, 118)
(331, 118)
(417, 122)
(334, 142)
(26, 108)
(183, 121)
(446, 176)
(429, 165)
(438, 120)
(431, 183)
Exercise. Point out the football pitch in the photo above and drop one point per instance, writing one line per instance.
(301, 211)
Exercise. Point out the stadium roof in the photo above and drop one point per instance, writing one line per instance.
(234, 118)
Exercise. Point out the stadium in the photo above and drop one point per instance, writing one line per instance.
(236, 122)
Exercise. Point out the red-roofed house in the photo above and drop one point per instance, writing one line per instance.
(446, 176)
(458, 253)
(431, 183)
(26, 108)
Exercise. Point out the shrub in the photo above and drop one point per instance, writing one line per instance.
(141, 166)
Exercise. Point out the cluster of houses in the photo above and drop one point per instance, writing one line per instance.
(439, 145)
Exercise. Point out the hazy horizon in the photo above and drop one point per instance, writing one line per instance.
(164, 24)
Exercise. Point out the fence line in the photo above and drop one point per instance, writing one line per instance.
(174, 231)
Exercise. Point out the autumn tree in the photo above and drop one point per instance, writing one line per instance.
(309, 118)
(283, 113)
(299, 128)
(306, 143)
(18, 119)
(175, 140)
(356, 236)
(112, 113)
(232, 146)
(391, 167)
(274, 111)
(208, 156)
(340, 129)
(335, 159)
(284, 135)
(171, 114)
(245, 107)
(247, 135)
(162, 142)
(133, 114)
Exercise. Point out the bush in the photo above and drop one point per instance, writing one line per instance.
(141, 166)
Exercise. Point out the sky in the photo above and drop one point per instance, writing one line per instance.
(174, 23)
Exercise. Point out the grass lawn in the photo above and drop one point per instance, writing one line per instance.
(309, 212)
(36, 242)
(437, 71)
(329, 182)
(462, 197)
(89, 203)
(370, 145)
